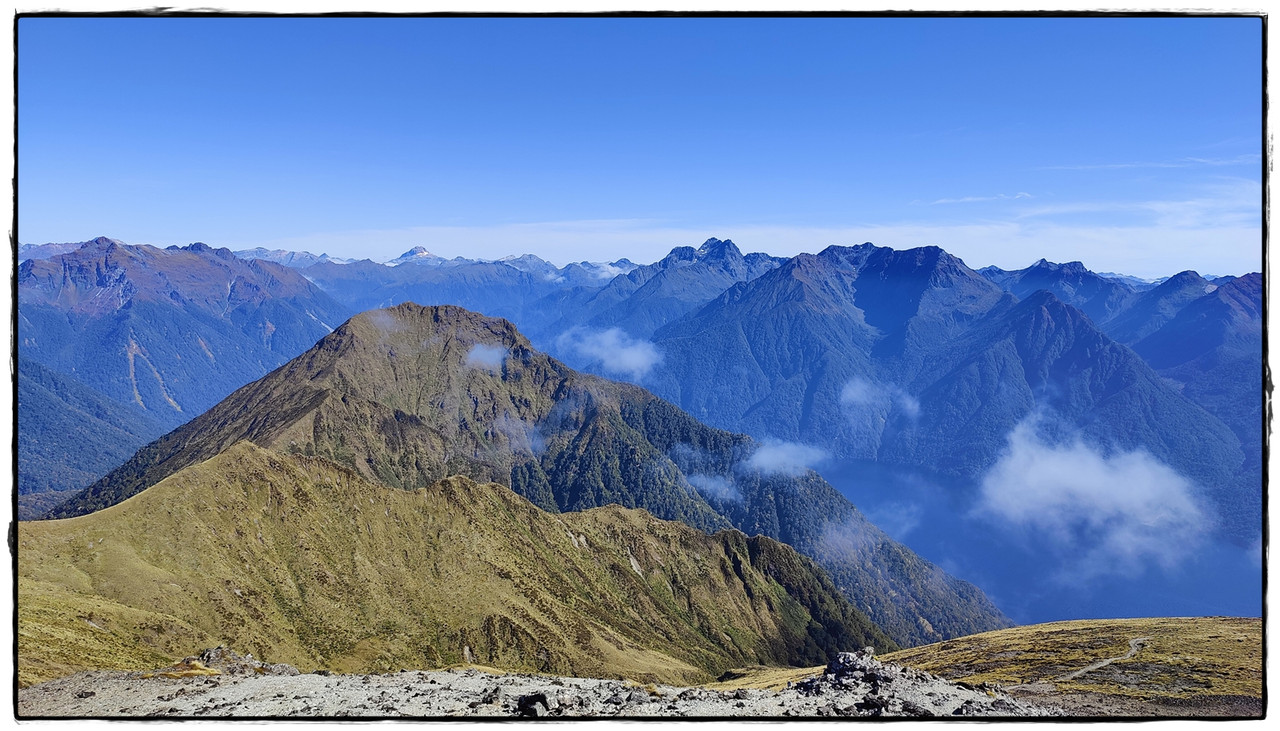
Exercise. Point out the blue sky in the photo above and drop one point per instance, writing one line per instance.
(1130, 144)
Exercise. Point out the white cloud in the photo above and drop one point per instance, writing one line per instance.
(488, 357)
(715, 486)
(983, 198)
(860, 395)
(775, 457)
(1103, 514)
(617, 352)
(896, 518)
(1186, 162)
(521, 437)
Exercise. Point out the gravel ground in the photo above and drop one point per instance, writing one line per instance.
(854, 684)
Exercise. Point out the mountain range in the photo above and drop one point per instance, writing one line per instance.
(410, 395)
(910, 357)
(855, 359)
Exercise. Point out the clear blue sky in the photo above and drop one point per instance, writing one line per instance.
(1131, 144)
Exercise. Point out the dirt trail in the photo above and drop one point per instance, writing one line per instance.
(1134, 645)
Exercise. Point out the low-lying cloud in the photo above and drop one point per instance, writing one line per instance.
(859, 394)
(775, 457)
(488, 357)
(715, 486)
(1104, 514)
(615, 351)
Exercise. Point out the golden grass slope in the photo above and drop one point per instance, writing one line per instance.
(298, 560)
(1185, 657)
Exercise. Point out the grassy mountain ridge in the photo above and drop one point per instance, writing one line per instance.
(299, 560)
(409, 395)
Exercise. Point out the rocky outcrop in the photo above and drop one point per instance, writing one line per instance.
(853, 685)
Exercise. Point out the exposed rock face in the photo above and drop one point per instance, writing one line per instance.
(230, 662)
(879, 689)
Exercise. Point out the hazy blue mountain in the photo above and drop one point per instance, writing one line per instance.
(69, 436)
(493, 288)
(1155, 307)
(1212, 348)
(574, 274)
(167, 332)
(419, 256)
(408, 395)
(1099, 297)
(1138, 283)
(48, 251)
(294, 259)
(650, 296)
(911, 358)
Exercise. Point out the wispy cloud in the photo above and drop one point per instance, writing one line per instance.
(776, 457)
(1185, 162)
(614, 350)
(487, 357)
(859, 395)
(1101, 514)
(715, 487)
(983, 198)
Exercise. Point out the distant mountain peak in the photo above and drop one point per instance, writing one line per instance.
(418, 251)
(1070, 267)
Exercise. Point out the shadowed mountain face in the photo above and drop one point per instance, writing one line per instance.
(69, 436)
(1099, 297)
(1212, 348)
(650, 296)
(168, 332)
(911, 358)
(494, 288)
(296, 559)
(409, 395)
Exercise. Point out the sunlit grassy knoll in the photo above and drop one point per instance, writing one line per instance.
(1185, 656)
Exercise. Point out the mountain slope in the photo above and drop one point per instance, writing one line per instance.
(68, 436)
(1099, 297)
(299, 560)
(1212, 349)
(1152, 309)
(910, 358)
(168, 332)
(494, 288)
(409, 395)
(650, 296)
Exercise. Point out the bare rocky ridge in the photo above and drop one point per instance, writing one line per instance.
(854, 684)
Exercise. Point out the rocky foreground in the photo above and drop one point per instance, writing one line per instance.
(222, 683)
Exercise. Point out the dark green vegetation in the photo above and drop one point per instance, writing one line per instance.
(68, 436)
(410, 395)
(296, 559)
(911, 358)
